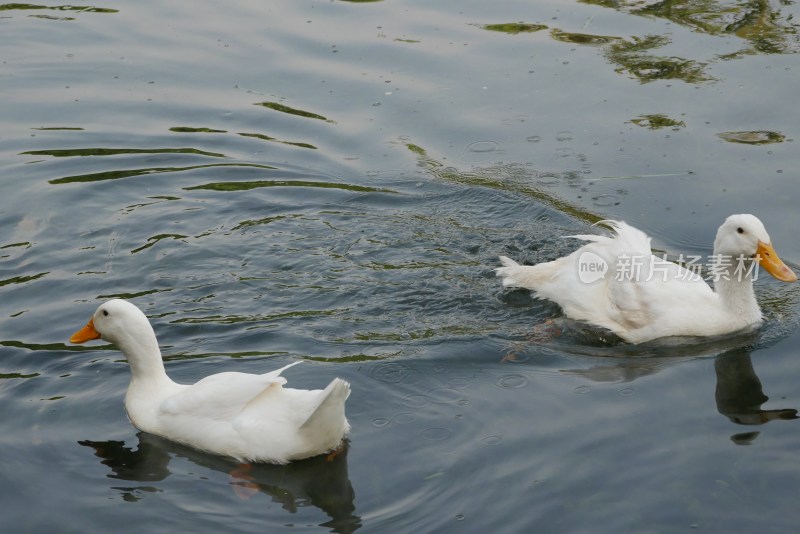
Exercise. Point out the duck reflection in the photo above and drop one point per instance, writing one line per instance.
(739, 394)
(321, 481)
(623, 362)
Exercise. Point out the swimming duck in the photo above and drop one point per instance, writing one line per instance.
(615, 282)
(250, 417)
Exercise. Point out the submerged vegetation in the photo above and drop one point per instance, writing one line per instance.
(657, 121)
(275, 106)
(581, 38)
(634, 58)
(758, 137)
(515, 27)
(760, 24)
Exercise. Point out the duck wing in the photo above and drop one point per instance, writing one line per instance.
(662, 295)
(637, 294)
(330, 406)
(222, 396)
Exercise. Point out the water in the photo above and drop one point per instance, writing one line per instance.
(332, 181)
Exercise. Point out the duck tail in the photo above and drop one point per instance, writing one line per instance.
(507, 271)
(527, 276)
(329, 415)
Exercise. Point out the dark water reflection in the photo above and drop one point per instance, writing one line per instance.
(321, 482)
(740, 396)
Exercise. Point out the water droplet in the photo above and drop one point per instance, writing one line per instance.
(459, 517)
(512, 381)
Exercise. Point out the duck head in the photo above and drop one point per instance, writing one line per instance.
(744, 235)
(113, 321)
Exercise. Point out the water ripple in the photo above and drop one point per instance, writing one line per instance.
(512, 381)
(404, 418)
(444, 395)
(492, 440)
(417, 401)
(436, 433)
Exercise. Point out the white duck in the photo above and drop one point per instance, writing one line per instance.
(246, 416)
(599, 283)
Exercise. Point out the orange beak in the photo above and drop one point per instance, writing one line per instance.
(87, 333)
(769, 260)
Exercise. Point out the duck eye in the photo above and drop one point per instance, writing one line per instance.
(740, 230)
(105, 312)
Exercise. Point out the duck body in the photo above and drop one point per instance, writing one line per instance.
(615, 282)
(250, 417)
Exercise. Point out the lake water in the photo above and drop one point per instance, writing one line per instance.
(333, 181)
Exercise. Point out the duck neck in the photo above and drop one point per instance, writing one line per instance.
(733, 282)
(144, 357)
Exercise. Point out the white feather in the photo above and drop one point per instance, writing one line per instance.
(245, 416)
(665, 299)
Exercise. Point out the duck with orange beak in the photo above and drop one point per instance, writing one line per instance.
(615, 282)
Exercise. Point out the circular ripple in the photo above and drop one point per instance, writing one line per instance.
(389, 372)
(582, 390)
(380, 422)
(492, 440)
(459, 382)
(436, 433)
(404, 418)
(417, 401)
(481, 147)
(627, 392)
(516, 358)
(444, 395)
(512, 381)
(480, 151)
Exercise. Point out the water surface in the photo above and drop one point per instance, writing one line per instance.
(332, 182)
